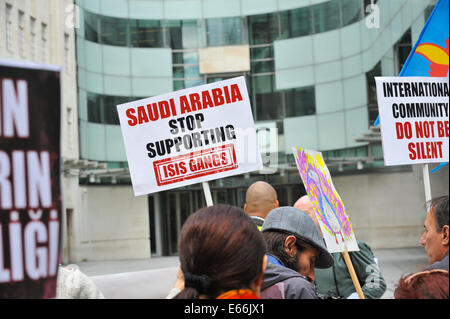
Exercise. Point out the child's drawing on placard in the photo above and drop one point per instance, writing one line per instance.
(330, 211)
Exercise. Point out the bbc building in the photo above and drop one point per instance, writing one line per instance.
(310, 68)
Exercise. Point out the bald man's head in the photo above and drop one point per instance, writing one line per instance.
(305, 204)
(260, 199)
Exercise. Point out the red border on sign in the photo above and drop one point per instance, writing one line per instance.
(233, 165)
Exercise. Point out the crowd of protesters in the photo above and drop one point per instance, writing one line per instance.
(270, 252)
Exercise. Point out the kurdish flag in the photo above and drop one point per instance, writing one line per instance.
(429, 57)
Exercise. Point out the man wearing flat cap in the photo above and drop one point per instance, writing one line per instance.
(294, 248)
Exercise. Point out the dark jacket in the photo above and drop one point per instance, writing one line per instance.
(280, 282)
(443, 264)
(337, 281)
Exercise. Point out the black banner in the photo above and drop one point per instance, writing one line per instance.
(30, 196)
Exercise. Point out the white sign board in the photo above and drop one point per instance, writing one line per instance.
(189, 136)
(413, 119)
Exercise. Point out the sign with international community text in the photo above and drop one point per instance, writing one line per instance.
(30, 196)
(189, 136)
(414, 119)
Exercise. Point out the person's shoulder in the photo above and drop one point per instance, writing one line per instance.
(443, 264)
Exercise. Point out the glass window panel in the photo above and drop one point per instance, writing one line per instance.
(114, 31)
(90, 26)
(94, 108)
(326, 16)
(193, 82)
(268, 103)
(263, 28)
(192, 34)
(300, 22)
(146, 33)
(191, 71)
(174, 34)
(300, 102)
(178, 85)
(351, 11)
(284, 24)
(177, 57)
(178, 72)
(263, 67)
(224, 31)
(372, 92)
(190, 57)
(269, 106)
(110, 109)
(261, 52)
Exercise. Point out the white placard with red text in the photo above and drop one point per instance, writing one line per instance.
(414, 119)
(189, 136)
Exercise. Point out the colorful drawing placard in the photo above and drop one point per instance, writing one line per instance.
(334, 222)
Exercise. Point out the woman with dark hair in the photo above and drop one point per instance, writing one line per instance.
(429, 284)
(222, 255)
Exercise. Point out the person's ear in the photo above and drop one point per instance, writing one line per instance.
(245, 208)
(289, 245)
(445, 235)
(277, 204)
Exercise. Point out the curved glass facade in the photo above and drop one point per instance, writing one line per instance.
(310, 65)
(196, 33)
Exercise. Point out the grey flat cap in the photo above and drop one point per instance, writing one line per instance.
(296, 222)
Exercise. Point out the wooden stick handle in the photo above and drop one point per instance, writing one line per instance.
(352, 272)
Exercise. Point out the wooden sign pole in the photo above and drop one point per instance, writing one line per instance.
(207, 191)
(352, 272)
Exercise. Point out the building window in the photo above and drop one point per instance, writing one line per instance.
(300, 102)
(326, 16)
(8, 15)
(296, 22)
(401, 50)
(263, 28)
(225, 31)
(32, 38)
(91, 26)
(351, 11)
(372, 92)
(67, 52)
(268, 102)
(103, 108)
(44, 37)
(146, 34)
(114, 31)
(21, 33)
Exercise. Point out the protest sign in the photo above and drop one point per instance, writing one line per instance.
(334, 222)
(30, 197)
(337, 231)
(189, 136)
(414, 119)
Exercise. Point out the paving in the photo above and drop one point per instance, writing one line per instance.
(393, 263)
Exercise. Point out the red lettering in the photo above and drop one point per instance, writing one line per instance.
(152, 112)
(235, 93)
(184, 105)
(195, 101)
(142, 115)
(164, 109)
(132, 119)
(412, 152)
(206, 100)
(217, 97)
